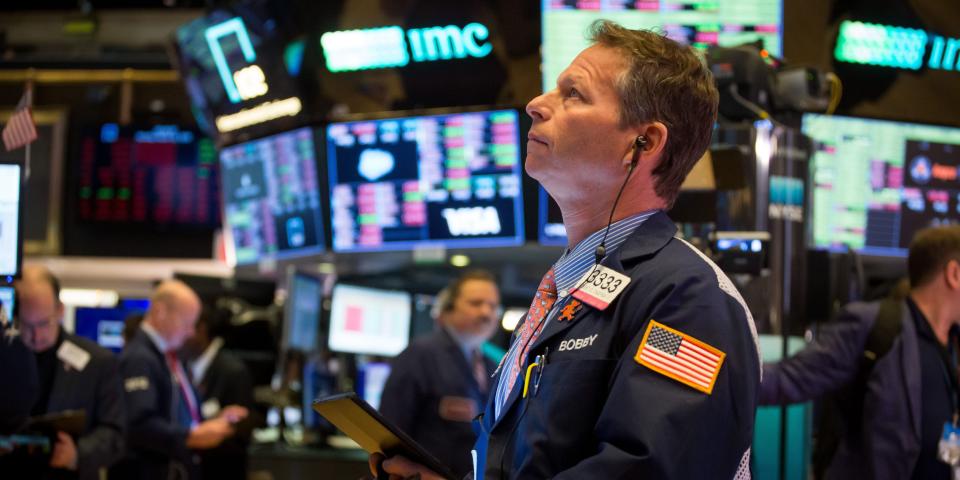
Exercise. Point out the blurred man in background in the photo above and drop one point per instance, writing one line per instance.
(891, 368)
(74, 374)
(220, 379)
(440, 382)
(165, 423)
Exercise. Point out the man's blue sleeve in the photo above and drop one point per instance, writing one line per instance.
(823, 366)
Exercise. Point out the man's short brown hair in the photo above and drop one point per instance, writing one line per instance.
(930, 251)
(665, 82)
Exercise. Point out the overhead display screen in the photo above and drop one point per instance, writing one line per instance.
(159, 177)
(271, 197)
(876, 183)
(452, 180)
(700, 23)
(241, 65)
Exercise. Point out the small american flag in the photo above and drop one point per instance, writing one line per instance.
(20, 129)
(680, 357)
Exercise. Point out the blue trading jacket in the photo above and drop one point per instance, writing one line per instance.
(887, 443)
(156, 442)
(433, 396)
(599, 414)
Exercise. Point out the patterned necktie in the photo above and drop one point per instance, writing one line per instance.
(539, 308)
(181, 378)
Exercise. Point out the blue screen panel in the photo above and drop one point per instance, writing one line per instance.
(103, 325)
(7, 300)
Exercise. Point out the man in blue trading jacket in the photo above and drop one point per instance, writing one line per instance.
(638, 359)
(440, 382)
(894, 395)
(164, 420)
(75, 374)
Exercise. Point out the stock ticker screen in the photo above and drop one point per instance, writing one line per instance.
(160, 177)
(876, 182)
(452, 180)
(271, 197)
(700, 23)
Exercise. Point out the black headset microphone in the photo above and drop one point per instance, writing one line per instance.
(638, 145)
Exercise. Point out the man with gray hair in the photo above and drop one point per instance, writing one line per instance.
(637, 358)
(164, 421)
(75, 374)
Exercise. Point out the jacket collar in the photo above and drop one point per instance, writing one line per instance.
(650, 237)
(646, 240)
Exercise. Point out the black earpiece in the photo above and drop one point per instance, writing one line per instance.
(641, 142)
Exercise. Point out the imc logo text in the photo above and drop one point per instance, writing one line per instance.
(391, 47)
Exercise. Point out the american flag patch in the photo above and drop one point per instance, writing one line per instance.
(680, 357)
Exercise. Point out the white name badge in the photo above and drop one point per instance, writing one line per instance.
(600, 286)
(72, 355)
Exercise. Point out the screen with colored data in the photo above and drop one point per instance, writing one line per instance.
(700, 23)
(368, 320)
(271, 197)
(452, 180)
(876, 182)
(158, 177)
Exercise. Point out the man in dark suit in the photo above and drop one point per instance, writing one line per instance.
(75, 374)
(221, 379)
(166, 428)
(895, 395)
(440, 382)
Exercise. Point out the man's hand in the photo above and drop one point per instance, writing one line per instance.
(64, 453)
(209, 434)
(233, 413)
(400, 468)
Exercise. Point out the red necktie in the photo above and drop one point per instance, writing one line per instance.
(539, 308)
(181, 377)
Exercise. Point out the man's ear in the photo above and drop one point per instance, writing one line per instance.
(952, 274)
(650, 149)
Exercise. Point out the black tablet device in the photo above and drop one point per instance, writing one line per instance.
(373, 433)
(69, 421)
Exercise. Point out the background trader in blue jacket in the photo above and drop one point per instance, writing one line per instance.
(894, 401)
(165, 424)
(440, 382)
(638, 358)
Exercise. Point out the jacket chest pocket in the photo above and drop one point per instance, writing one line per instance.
(569, 396)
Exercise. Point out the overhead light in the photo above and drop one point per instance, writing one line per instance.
(511, 317)
(84, 297)
(459, 260)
